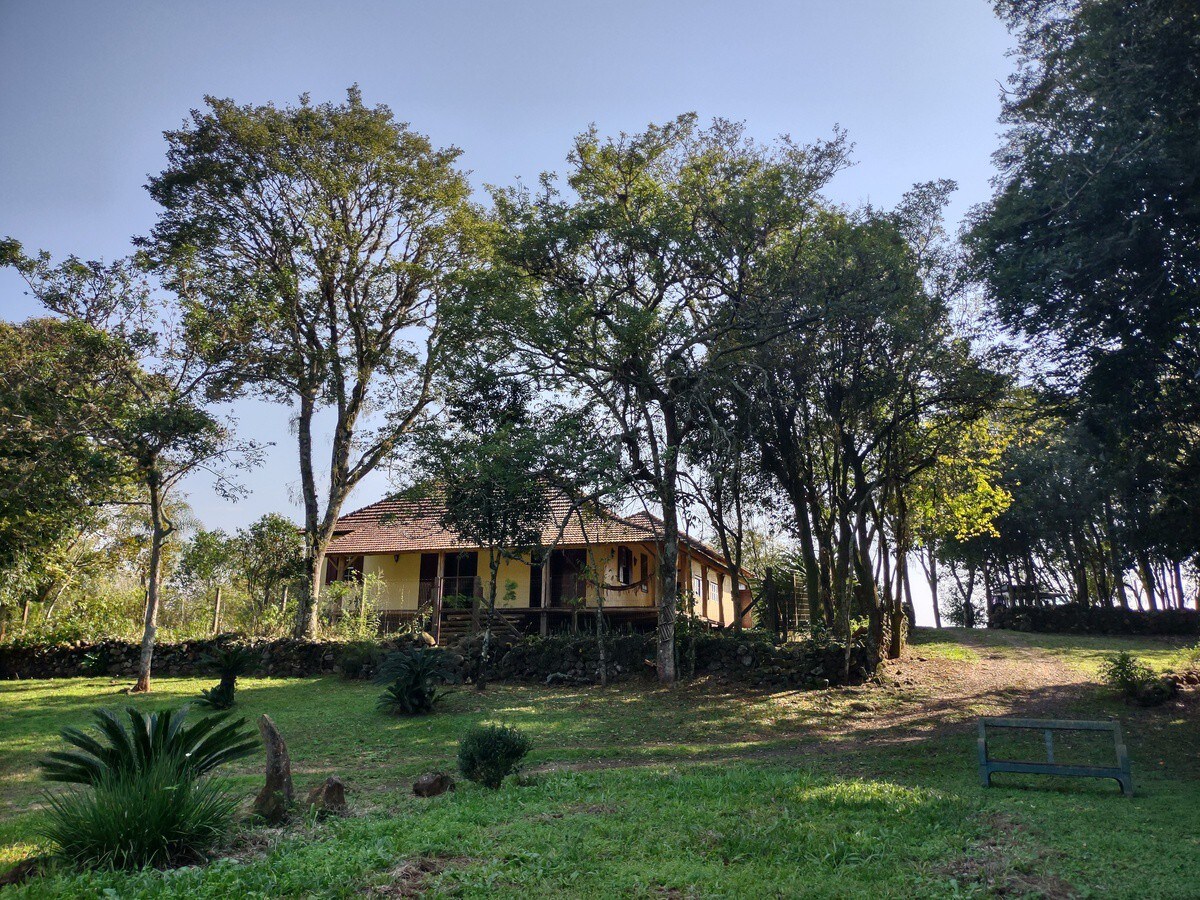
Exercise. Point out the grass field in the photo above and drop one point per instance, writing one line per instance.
(704, 790)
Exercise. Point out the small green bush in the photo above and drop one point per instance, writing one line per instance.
(1187, 659)
(411, 677)
(1136, 680)
(360, 659)
(487, 754)
(1125, 672)
(136, 818)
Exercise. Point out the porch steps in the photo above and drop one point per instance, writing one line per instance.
(457, 624)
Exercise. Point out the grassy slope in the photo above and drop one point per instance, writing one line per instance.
(708, 793)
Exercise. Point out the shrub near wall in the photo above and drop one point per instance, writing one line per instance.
(1079, 619)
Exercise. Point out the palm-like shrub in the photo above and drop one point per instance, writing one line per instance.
(487, 754)
(411, 677)
(219, 696)
(228, 662)
(143, 795)
(193, 749)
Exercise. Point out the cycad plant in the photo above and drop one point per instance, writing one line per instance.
(228, 662)
(193, 749)
(411, 677)
(143, 794)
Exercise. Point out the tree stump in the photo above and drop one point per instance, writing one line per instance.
(275, 799)
(328, 797)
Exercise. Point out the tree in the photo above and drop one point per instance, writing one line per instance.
(851, 408)
(54, 479)
(268, 555)
(1091, 245)
(487, 462)
(320, 247)
(631, 291)
(960, 495)
(205, 566)
(724, 477)
(144, 393)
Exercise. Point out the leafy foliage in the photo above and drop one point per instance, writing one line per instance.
(488, 754)
(220, 696)
(1136, 680)
(133, 818)
(230, 662)
(360, 659)
(411, 677)
(1091, 244)
(372, 214)
(146, 741)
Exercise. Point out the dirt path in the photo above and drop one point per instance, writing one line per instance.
(923, 695)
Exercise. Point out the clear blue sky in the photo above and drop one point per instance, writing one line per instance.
(88, 86)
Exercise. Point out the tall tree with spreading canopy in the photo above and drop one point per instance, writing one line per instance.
(141, 392)
(319, 248)
(1091, 245)
(853, 407)
(634, 286)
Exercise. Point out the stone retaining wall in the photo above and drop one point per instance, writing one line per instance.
(1075, 618)
(283, 657)
(749, 659)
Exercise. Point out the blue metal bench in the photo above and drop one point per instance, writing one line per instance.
(988, 766)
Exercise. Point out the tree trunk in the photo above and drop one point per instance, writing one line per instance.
(493, 574)
(601, 650)
(158, 535)
(668, 598)
(968, 599)
(314, 548)
(1147, 574)
(931, 573)
(216, 620)
(988, 599)
(909, 609)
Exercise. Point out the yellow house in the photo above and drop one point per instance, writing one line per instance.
(419, 569)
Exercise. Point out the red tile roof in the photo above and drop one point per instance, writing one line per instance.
(402, 524)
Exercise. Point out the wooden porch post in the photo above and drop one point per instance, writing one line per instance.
(544, 626)
(438, 589)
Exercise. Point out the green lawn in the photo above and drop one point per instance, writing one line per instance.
(1083, 651)
(705, 790)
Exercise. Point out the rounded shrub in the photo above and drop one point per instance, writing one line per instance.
(1136, 680)
(130, 819)
(487, 754)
